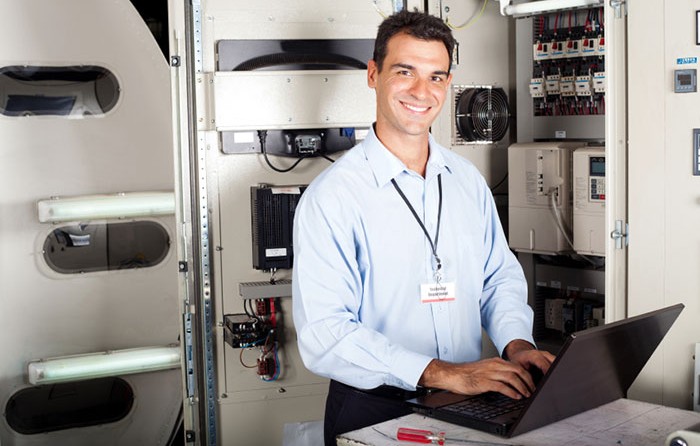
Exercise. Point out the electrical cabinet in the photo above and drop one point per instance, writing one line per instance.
(564, 93)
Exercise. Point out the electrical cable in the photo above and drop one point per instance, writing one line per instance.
(499, 183)
(469, 22)
(561, 225)
(327, 157)
(553, 194)
(262, 136)
(376, 7)
(176, 432)
(245, 309)
(240, 358)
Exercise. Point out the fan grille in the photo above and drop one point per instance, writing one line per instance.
(481, 115)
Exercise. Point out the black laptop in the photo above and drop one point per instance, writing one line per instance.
(594, 367)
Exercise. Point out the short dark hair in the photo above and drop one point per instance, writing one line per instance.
(417, 24)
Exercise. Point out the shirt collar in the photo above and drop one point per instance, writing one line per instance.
(386, 166)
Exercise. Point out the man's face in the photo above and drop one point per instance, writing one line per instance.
(411, 87)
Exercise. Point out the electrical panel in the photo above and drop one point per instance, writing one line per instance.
(566, 300)
(272, 225)
(256, 331)
(589, 201)
(539, 189)
(568, 60)
(561, 61)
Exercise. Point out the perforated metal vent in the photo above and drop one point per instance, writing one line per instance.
(480, 114)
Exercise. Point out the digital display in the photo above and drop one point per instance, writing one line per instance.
(597, 166)
(685, 80)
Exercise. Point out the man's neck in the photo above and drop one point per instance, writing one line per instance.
(413, 151)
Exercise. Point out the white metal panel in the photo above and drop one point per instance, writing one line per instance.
(292, 100)
(128, 149)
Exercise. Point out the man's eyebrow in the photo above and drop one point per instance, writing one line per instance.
(412, 68)
(403, 65)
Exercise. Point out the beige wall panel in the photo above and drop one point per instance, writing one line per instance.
(663, 254)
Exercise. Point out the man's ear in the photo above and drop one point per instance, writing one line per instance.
(372, 71)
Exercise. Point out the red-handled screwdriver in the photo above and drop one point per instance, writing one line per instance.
(420, 436)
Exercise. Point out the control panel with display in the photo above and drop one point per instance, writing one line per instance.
(596, 178)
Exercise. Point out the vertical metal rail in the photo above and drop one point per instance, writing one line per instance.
(203, 321)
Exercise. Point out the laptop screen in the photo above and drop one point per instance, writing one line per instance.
(597, 366)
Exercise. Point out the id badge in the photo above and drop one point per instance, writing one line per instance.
(437, 292)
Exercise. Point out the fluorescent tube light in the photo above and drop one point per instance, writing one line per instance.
(545, 6)
(94, 207)
(98, 365)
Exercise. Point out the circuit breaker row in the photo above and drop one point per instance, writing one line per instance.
(568, 48)
(570, 315)
(568, 70)
(567, 86)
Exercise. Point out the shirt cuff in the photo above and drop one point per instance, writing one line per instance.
(407, 369)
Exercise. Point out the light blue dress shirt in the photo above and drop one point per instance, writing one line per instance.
(360, 258)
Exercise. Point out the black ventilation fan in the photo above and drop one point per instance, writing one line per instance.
(481, 114)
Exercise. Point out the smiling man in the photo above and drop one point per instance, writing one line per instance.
(400, 259)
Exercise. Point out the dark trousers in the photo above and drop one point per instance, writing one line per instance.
(348, 408)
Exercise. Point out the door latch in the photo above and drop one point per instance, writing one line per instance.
(620, 234)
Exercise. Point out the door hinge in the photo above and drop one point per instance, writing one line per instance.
(621, 234)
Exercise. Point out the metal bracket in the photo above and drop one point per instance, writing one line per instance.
(189, 436)
(182, 266)
(620, 235)
(174, 61)
(617, 5)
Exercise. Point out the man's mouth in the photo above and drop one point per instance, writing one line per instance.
(415, 108)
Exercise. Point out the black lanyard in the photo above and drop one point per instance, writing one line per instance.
(420, 222)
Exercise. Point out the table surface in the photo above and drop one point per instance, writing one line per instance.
(622, 422)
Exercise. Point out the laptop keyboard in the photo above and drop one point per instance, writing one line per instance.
(486, 406)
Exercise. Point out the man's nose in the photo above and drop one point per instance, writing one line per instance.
(419, 88)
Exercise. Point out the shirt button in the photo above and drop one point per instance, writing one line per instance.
(444, 350)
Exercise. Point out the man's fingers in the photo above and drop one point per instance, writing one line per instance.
(512, 376)
(543, 360)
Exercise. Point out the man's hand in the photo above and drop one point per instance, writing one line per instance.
(473, 378)
(509, 377)
(526, 356)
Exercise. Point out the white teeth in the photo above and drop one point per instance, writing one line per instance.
(414, 108)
